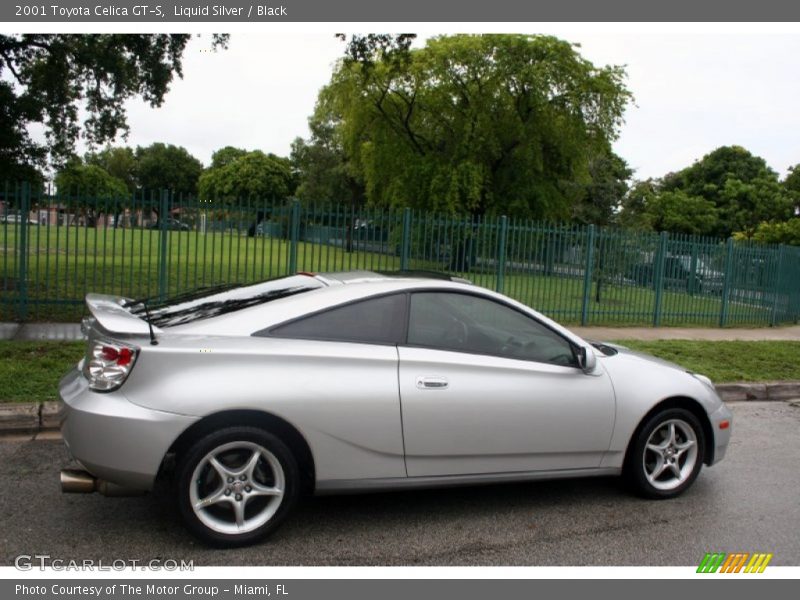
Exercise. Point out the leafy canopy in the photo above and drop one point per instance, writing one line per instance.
(728, 190)
(117, 161)
(250, 175)
(792, 185)
(740, 185)
(607, 185)
(48, 78)
(478, 123)
(323, 170)
(781, 232)
(167, 167)
(89, 181)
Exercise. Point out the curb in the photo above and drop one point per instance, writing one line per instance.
(766, 391)
(29, 417)
(32, 417)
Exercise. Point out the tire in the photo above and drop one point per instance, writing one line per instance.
(666, 454)
(236, 486)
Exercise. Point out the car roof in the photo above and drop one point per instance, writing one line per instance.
(349, 277)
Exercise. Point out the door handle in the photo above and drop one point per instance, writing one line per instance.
(432, 383)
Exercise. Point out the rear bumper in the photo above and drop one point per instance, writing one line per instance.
(114, 439)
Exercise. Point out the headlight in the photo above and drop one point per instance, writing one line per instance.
(704, 379)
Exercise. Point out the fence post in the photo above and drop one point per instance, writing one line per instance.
(163, 238)
(659, 277)
(726, 288)
(777, 287)
(501, 254)
(22, 278)
(693, 270)
(406, 239)
(294, 235)
(587, 275)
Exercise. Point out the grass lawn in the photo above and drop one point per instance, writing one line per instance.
(30, 371)
(64, 263)
(728, 361)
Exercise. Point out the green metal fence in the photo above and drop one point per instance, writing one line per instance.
(56, 248)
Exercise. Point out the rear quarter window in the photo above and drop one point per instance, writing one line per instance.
(372, 321)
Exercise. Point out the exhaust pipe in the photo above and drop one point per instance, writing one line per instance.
(75, 481)
(78, 481)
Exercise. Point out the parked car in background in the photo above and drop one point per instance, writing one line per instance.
(15, 218)
(359, 381)
(173, 225)
(680, 274)
(269, 229)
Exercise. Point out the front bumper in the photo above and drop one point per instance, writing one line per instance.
(721, 436)
(114, 439)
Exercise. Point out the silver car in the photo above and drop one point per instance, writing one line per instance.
(360, 381)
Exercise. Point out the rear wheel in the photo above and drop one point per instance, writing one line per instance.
(667, 454)
(235, 486)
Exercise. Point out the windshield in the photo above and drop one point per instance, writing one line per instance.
(208, 302)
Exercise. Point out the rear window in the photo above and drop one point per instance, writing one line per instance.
(214, 301)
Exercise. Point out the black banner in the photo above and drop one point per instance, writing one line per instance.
(441, 11)
(406, 589)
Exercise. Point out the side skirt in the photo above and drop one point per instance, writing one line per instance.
(344, 486)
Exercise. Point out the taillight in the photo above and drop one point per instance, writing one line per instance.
(108, 365)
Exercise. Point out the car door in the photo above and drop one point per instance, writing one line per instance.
(486, 388)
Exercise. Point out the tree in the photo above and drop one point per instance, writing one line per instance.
(633, 211)
(323, 170)
(781, 232)
(603, 194)
(792, 186)
(477, 123)
(366, 49)
(226, 155)
(167, 167)
(88, 182)
(117, 161)
(746, 204)
(648, 206)
(252, 175)
(677, 212)
(48, 78)
(740, 185)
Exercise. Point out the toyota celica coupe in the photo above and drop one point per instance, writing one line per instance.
(248, 396)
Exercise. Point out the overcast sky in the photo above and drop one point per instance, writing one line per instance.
(693, 93)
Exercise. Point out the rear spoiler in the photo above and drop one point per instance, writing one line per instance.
(112, 315)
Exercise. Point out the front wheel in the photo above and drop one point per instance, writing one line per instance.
(236, 485)
(667, 454)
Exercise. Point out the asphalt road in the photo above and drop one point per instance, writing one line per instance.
(749, 502)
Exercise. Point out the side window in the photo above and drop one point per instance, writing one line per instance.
(372, 321)
(465, 323)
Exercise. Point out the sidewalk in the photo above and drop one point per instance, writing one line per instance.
(791, 333)
(23, 332)
(72, 332)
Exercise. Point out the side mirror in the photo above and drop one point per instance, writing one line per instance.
(586, 358)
